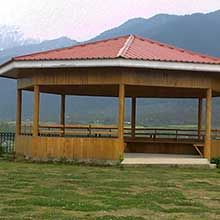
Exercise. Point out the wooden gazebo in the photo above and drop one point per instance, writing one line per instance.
(127, 66)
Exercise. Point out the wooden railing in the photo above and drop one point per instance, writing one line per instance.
(75, 130)
(112, 131)
(216, 134)
(166, 133)
(26, 129)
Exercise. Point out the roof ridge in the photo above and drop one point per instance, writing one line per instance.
(126, 46)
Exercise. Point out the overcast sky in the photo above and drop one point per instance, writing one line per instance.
(83, 19)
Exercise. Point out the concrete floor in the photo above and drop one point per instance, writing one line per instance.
(165, 159)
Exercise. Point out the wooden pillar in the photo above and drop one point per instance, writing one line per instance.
(133, 116)
(199, 118)
(121, 111)
(62, 112)
(36, 110)
(19, 112)
(207, 149)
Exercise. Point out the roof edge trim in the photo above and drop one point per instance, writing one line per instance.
(120, 62)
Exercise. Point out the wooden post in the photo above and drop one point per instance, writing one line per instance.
(199, 118)
(19, 112)
(208, 124)
(62, 113)
(133, 116)
(121, 111)
(36, 110)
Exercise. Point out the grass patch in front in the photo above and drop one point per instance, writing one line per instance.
(57, 191)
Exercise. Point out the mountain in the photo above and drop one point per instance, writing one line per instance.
(197, 32)
(138, 26)
(11, 36)
(8, 87)
(30, 48)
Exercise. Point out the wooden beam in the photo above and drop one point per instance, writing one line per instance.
(19, 112)
(62, 112)
(133, 116)
(197, 148)
(199, 118)
(36, 110)
(208, 124)
(121, 111)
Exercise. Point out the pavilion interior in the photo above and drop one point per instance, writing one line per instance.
(138, 143)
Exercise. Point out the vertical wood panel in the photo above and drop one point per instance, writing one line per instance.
(208, 124)
(215, 150)
(128, 76)
(19, 111)
(161, 148)
(36, 110)
(42, 148)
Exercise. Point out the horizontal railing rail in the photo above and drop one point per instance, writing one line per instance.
(112, 131)
(216, 134)
(171, 133)
(78, 130)
(26, 129)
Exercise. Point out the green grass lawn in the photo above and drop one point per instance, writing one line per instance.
(55, 191)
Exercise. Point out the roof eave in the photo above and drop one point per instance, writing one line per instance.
(119, 62)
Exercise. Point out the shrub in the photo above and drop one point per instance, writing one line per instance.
(216, 161)
(121, 157)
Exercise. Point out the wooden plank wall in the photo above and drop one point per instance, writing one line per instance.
(43, 148)
(114, 76)
(215, 148)
(161, 148)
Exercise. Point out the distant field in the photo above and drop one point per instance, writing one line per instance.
(54, 191)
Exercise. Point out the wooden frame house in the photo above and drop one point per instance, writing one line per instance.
(127, 66)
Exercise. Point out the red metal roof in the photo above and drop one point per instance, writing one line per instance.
(127, 47)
